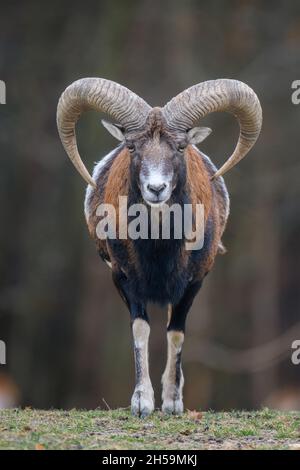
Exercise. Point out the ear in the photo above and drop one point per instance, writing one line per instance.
(198, 134)
(114, 129)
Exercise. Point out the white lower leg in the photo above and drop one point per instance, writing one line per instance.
(142, 401)
(172, 379)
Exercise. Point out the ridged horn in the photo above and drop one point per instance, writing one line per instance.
(128, 109)
(233, 96)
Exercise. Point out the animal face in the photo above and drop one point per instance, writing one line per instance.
(157, 166)
(157, 161)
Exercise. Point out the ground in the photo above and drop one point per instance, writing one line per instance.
(117, 429)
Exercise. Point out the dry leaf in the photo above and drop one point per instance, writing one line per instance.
(39, 447)
(195, 415)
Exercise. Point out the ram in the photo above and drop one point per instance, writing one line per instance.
(157, 163)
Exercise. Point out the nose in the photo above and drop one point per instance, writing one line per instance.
(156, 189)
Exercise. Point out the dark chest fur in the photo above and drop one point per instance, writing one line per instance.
(163, 268)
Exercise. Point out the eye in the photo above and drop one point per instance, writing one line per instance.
(131, 147)
(181, 147)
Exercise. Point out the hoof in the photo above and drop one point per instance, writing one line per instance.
(172, 407)
(142, 403)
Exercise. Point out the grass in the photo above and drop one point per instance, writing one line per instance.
(117, 429)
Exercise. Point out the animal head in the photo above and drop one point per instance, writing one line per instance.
(157, 137)
(157, 163)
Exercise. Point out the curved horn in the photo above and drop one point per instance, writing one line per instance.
(123, 105)
(233, 96)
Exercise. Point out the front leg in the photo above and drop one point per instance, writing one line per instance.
(142, 401)
(172, 379)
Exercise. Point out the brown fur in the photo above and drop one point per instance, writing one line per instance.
(204, 191)
(198, 180)
(117, 185)
(118, 179)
